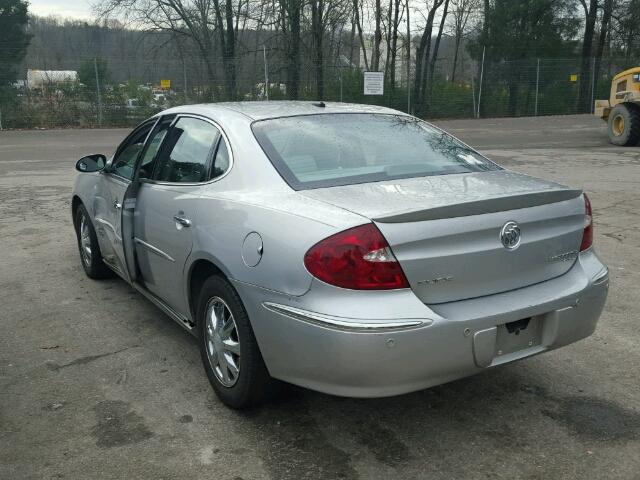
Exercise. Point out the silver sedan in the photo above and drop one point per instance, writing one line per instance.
(349, 249)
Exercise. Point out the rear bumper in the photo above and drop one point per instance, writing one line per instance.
(375, 352)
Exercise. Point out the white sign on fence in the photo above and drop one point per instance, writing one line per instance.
(374, 83)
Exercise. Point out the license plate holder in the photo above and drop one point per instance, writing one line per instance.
(518, 335)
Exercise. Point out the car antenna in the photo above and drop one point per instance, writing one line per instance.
(319, 104)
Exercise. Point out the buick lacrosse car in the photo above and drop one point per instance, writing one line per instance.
(349, 249)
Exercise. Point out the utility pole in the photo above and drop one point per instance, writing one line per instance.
(408, 61)
(95, 68)
(266, 72)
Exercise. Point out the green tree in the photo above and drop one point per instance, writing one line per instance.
(87, 73)
(517, 32)
(13, 45)
(13, 38)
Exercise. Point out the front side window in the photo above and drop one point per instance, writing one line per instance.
(149, 157)
(124, 161)
(187, 152)
(327, 150)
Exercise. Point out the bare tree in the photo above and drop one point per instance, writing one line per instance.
(357, 15)
(436, 47)
(591, 14)
(604, 31)
(323, 15)
(462, 12)
(290, 23)
(422, 55)
(377, 37)
(394, 17)
(208, 23)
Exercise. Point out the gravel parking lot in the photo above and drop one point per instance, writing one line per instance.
(96, 383)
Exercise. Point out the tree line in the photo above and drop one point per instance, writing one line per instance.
(310, 40)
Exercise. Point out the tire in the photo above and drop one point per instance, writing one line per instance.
(90, 259)
(624, 124)
(251, 384)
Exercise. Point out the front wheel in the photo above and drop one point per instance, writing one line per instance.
(229, 351)
(624, 125)
(88, 246)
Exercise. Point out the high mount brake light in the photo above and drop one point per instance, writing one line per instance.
(358, 258)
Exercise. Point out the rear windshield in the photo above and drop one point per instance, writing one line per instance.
(328, 150)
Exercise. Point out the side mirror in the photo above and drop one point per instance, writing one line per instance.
(91, 163)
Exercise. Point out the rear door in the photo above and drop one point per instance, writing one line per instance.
(167, 207)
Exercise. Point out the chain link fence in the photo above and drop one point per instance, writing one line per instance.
(98, 92)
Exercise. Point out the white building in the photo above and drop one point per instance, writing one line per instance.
(41, 78)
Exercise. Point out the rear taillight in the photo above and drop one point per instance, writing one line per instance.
(359, 258)
(587, 235)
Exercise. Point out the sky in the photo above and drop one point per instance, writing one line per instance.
(79, 9)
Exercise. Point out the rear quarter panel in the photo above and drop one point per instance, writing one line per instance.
(288, 225)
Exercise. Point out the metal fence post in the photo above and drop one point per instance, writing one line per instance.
(340, 84)
(537, 86)
(266, 72)
(473, 97)
(184, 73)
(0, 119)
(408, 61)
(593, 83)
(95, 68)
(481, 77)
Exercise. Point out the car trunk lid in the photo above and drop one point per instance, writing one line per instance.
(446, 231)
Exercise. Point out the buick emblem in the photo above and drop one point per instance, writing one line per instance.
(510, 235)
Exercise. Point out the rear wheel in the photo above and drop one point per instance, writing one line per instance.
(229, 351)
(88, 246)
(624, 125)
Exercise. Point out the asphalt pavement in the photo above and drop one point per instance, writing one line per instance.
(95, 382)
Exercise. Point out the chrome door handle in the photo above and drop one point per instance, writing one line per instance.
(117, 205)
(185, 222)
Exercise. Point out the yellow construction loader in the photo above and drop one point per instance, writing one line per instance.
(622, 110)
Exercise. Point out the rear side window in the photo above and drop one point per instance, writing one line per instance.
(328, 150)
(187, 152)
(221, 161)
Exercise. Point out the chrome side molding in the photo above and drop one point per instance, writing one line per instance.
(340, 323)
(601, 276)
(153, 249)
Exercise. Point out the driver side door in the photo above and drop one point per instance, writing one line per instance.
(115, 180)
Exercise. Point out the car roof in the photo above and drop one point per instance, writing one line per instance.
(260, 110)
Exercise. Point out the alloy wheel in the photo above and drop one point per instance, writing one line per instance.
(222, 342)
(85, 241)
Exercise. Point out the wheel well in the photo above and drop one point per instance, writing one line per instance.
(75, 203)
(628, 105)
(200, 271)
(632, 105)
